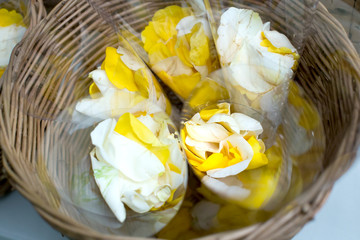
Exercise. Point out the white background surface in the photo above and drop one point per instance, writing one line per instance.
(337, 220)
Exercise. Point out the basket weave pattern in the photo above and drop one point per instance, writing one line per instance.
(37, 12)
(329, 72)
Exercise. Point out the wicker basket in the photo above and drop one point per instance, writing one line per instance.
(36, 13)
(35, 93)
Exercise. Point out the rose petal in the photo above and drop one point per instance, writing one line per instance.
(172, 66)
(125, 154)
(229, 188)
(235, 26)
(209, 132)
(246, 154)
(101, 80)
(279, 40)
(247, 123)
(129, 59)
(200, 148)
(227, 121)
(187, 23)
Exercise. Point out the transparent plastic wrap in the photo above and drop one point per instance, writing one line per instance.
(108, 154)
(133, 180)
(226, 190)
(258, 64)
(173, 38)
(259, 44)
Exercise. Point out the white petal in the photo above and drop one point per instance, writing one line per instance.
(197, 119)
(114, 103)
(246, 153)
(130, 60)
(225, 120)
(186, 24)
(235, 26)
(203, 70)
(208, 132)
(101, 80)
(136, 202)
(245, 70)
(229, 188)
(150, 123)
(247, 123)
(109, 187)
(172, 66)
(276, 68)
(279, 40)
(200, 148)
(125, 154)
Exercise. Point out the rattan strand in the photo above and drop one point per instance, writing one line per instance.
(329, 72)
(37, 12)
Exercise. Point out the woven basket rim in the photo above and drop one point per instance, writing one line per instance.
(306, 205)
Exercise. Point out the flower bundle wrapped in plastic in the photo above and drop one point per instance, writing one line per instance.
(174, 39)
(122, 84)
(180, 48)
(257, 61)
(227, 154)
(227, 149)
(12, 29)
(137, 162)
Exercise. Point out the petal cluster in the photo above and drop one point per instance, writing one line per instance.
(179, 48)
(223, 144)
(225, 151)
(257, 58)
(12, 29)
(122, 84)
(137, 162)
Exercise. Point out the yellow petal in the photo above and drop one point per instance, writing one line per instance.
(214, 161)
(165, 20)
(149, 37)
(174, 168)
(199, 46)
(93, 89)
(2, 70)
(192, 158)
(182, 50)
(8, 18)
(207, 91)
(309, 118)
(262, 183)
(142, 82)
(130, 127)
(259, 159)
(117, 72)
(210, 111)
(159, 52)
(182, 84)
